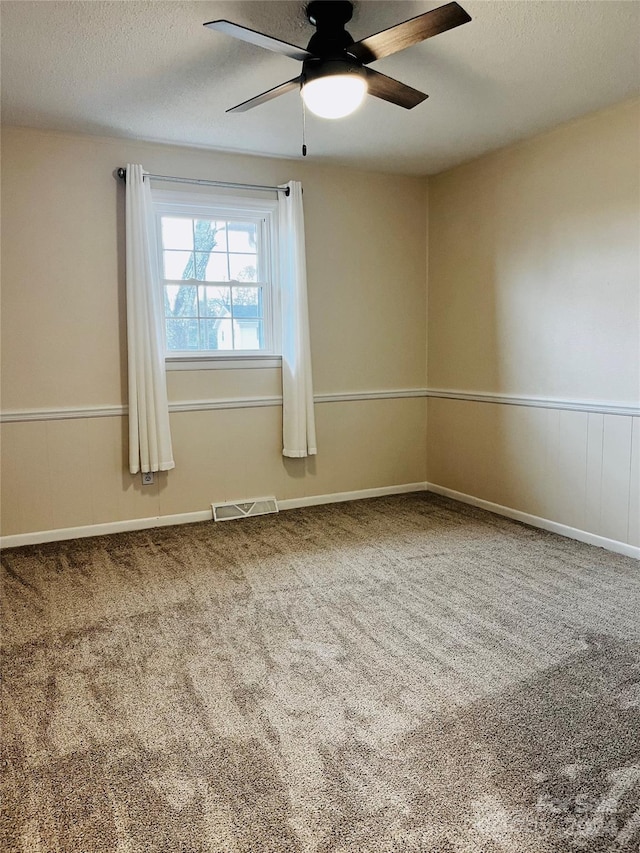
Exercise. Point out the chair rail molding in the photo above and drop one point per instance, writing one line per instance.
(604, 407)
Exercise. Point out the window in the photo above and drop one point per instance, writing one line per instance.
(217, 263)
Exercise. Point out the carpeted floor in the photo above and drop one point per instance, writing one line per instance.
(399, 675)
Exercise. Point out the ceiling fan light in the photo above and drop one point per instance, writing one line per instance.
(334, 96)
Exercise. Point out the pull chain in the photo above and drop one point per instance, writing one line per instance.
(304, 128)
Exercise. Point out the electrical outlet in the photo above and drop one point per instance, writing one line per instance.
(147, 478)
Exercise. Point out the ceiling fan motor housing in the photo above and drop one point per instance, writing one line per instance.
(330, 40)
(330, 43)
(326, 14)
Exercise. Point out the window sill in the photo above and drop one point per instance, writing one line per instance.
(222, 362)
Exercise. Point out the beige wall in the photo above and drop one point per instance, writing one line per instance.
(63, 339)
(534, 292)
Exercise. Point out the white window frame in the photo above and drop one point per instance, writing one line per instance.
(197, 204)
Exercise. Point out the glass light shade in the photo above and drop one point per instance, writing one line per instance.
(334, 96)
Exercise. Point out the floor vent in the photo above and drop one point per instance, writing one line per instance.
(243, 509)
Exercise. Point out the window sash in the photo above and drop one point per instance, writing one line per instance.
(200, 319)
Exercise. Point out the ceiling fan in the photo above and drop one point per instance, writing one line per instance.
(335, 76)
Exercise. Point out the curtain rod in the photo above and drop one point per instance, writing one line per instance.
(122, 174)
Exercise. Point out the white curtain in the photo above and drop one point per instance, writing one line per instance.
(149, 435)
(298, 421)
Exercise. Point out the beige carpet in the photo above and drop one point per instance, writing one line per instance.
(400, 675)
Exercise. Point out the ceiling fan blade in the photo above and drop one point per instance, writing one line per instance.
(409, 32)
(260, 39)
(282, 89)
(381, 86)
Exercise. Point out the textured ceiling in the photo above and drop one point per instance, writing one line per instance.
(150, 70)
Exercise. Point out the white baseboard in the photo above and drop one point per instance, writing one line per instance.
(536, 521)
(339, 497)
(42, 536)
(38, 537)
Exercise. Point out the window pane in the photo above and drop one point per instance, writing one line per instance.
(180, 300)
(182, 335)
(215, 301)
(249, 334)
(215, 268)
(177, 233)
(216, 334)
(178, 265)
(247, 302)
(198, 267)
(242, 236)
(210, 234)
(243, 267)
